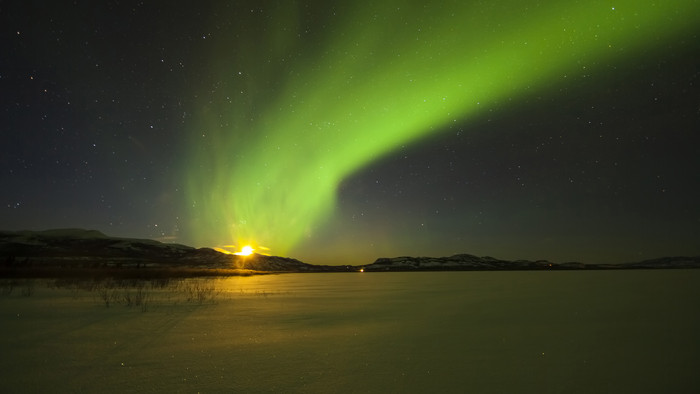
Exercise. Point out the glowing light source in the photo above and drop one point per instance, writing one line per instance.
(245, 251)
(274, 142)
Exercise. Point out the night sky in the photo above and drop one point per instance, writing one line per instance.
(340, 132)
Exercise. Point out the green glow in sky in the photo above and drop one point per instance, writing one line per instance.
(298, 108)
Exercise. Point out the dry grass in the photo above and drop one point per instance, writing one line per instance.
(110, 286)
(104, 272)
(24, 286)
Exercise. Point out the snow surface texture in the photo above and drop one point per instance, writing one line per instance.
(447, 332)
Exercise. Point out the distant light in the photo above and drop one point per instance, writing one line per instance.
(245, 251)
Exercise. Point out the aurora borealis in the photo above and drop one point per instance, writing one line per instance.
(275, 116)
(388, 74)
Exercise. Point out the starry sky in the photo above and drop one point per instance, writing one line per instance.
(337, 133)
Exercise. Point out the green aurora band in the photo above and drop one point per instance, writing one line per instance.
(298, 111)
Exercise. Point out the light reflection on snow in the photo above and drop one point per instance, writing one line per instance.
(402, 332)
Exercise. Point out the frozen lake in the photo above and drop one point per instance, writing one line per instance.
(442, 332)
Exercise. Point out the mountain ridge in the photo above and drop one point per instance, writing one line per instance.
(77, 248)
(468, 262)
(91, 249)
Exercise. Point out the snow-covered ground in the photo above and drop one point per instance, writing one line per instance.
(447, 332)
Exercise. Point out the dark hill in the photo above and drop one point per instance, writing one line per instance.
(467, 262)
(61, 249)
(76, 248)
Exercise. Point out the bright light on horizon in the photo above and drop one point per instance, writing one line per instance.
(245, 251)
